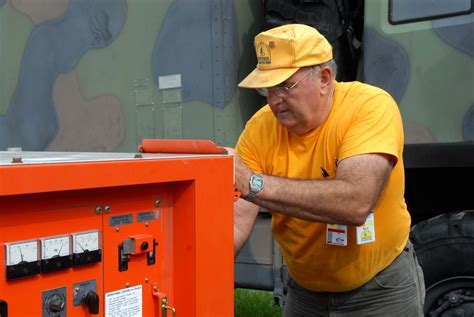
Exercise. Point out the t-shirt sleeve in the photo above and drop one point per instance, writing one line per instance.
(375, 128)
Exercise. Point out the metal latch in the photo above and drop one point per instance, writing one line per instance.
(163, 302)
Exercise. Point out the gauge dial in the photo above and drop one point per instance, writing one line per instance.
(21, 252)
(53, 247)
(85, 241)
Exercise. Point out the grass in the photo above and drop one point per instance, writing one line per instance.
(253, 303)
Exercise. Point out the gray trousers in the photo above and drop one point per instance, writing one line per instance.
(398, 291)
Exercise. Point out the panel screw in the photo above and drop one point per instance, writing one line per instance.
(147, 224)
(98, 210)
(147, 279)
(157, 203)
(127, 284)
(107, 209)
(155, 288)
(117, 229)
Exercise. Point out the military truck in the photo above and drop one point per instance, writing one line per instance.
(101, 75)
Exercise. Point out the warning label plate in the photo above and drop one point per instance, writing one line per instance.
(124, 302)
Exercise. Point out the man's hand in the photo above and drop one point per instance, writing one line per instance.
(242, 173)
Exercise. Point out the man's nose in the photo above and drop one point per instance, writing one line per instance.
(273, 98)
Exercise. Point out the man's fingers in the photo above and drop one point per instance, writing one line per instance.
(230, 150)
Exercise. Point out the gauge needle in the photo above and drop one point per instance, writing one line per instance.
(80, 246)
(60, 248)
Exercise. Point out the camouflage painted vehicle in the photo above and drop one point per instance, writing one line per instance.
(101, 75)
(422, 52)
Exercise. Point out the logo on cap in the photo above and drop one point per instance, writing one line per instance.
(264, 55)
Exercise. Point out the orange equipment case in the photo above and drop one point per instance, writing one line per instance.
(116, 234)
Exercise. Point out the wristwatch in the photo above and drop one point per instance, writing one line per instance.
(255, 185)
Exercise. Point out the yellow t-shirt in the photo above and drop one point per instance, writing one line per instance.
(363, 119)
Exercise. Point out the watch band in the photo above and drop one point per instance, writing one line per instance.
(251, 196)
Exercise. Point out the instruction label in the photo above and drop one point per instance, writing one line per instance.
(125, 302)
(121, 220)
(148, 216)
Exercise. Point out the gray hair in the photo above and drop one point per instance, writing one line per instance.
(331, 64)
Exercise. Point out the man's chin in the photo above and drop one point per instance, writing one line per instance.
(287, 124)
(285, 118)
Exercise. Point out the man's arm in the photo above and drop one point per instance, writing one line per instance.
(346, 199)
(245, 214)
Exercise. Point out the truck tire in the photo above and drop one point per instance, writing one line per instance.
(444, 246)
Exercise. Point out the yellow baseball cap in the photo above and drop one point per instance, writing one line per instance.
(283, 50)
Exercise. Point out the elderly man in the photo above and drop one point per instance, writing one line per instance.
(325, 158)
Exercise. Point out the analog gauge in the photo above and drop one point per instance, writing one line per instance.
(85, 241)
(21, 252)
(53, 247)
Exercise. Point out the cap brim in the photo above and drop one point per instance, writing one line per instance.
(267, 78)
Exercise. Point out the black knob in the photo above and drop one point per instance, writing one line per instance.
(56, 304)
(91, 300)
(144, 245)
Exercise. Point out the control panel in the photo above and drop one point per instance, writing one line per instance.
(127, 237)
(68, 269)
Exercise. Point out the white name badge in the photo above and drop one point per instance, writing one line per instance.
(366, 232)
(336, 235)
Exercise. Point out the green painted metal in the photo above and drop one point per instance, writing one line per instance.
(111, 99)
(439, 91)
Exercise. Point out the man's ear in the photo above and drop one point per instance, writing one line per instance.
(326, 76)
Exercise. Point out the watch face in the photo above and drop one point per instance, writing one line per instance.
(256, 183)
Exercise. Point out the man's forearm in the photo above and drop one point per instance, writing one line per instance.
(345, 199)
(245, 214)
(239, 240)
(328, 201)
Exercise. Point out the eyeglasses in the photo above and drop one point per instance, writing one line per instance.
(282, 91)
